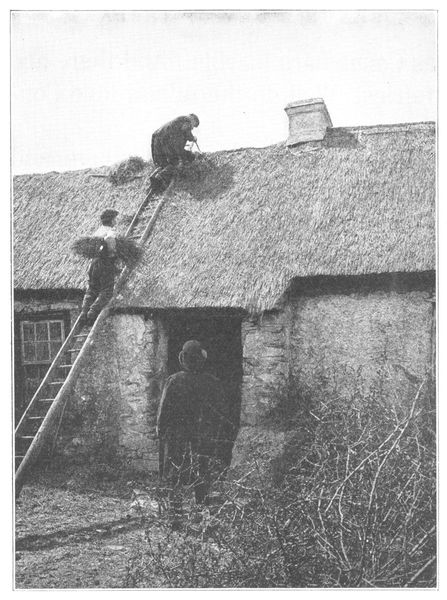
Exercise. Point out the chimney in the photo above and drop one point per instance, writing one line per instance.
(308, 121)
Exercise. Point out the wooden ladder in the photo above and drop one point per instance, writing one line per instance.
(47, 405)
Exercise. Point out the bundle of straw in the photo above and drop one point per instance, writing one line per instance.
(126, 170)
(90, 247)
(127, 250)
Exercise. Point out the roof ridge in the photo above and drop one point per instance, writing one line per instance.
(389, 127)
(366, 129)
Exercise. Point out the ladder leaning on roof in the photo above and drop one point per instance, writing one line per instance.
(35, 425)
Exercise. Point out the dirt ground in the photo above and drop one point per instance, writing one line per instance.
(76, 534)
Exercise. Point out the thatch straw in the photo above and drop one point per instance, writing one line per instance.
(51, 211)
(236, 230)
(90, 247)
(127, 170)
(236, 234)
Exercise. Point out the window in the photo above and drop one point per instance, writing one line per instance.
(41, 340)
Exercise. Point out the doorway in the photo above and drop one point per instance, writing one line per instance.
(220, 336)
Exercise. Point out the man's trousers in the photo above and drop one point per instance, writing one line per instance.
(101, 281)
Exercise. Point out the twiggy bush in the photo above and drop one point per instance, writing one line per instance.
(355, 507)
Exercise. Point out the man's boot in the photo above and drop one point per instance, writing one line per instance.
(91, 318)
(157, 184)
(83, 319)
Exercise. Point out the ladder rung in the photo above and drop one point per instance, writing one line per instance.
(26, 437)
(78, 335)
(45, 400)
(57, 382)
(74, 350)
(65, 366)
(36, 418)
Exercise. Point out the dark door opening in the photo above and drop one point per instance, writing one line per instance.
(221, 338)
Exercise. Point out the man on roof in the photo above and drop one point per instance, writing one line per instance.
(191, 427)
(102, 270)
(168, 149)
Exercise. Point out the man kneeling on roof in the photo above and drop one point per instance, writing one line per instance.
(168, 149)
(102, 270)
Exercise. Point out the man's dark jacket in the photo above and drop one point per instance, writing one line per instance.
(191, 417)
(168, 142)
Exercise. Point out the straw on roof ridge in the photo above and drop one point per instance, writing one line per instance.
(241, 224)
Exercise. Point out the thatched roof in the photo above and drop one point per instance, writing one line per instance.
(240, 225)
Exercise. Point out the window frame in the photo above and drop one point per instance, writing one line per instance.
(21, 396)
(35, 341)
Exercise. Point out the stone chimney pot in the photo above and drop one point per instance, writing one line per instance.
(308, 121)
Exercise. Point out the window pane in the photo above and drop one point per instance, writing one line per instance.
(55, 330)
(54, 346)
(41, 331)
(42, 351)
(28, 352)
(28, 331)
(42, 371)
(32, 372)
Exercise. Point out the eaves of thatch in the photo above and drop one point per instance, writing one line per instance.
(240, 225)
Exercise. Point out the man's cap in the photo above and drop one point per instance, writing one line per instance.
(192, 356)
(194, 117)
(108, 214)
(193, 348)
(193, 352)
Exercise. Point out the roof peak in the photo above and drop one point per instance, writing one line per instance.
(367, 129)
(391, 127)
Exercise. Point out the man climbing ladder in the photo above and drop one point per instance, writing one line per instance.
(168, 149)
(37, 423)
(102, 270)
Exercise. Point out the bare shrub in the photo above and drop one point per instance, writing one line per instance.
(355, 506)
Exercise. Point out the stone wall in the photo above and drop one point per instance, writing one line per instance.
(141, 366)
(265, 350)
(364, 336)
(112, 412)
(359, 343)
(89, 431)
(265, 365)
(322, 340)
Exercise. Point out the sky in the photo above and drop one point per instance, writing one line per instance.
(89, 88)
